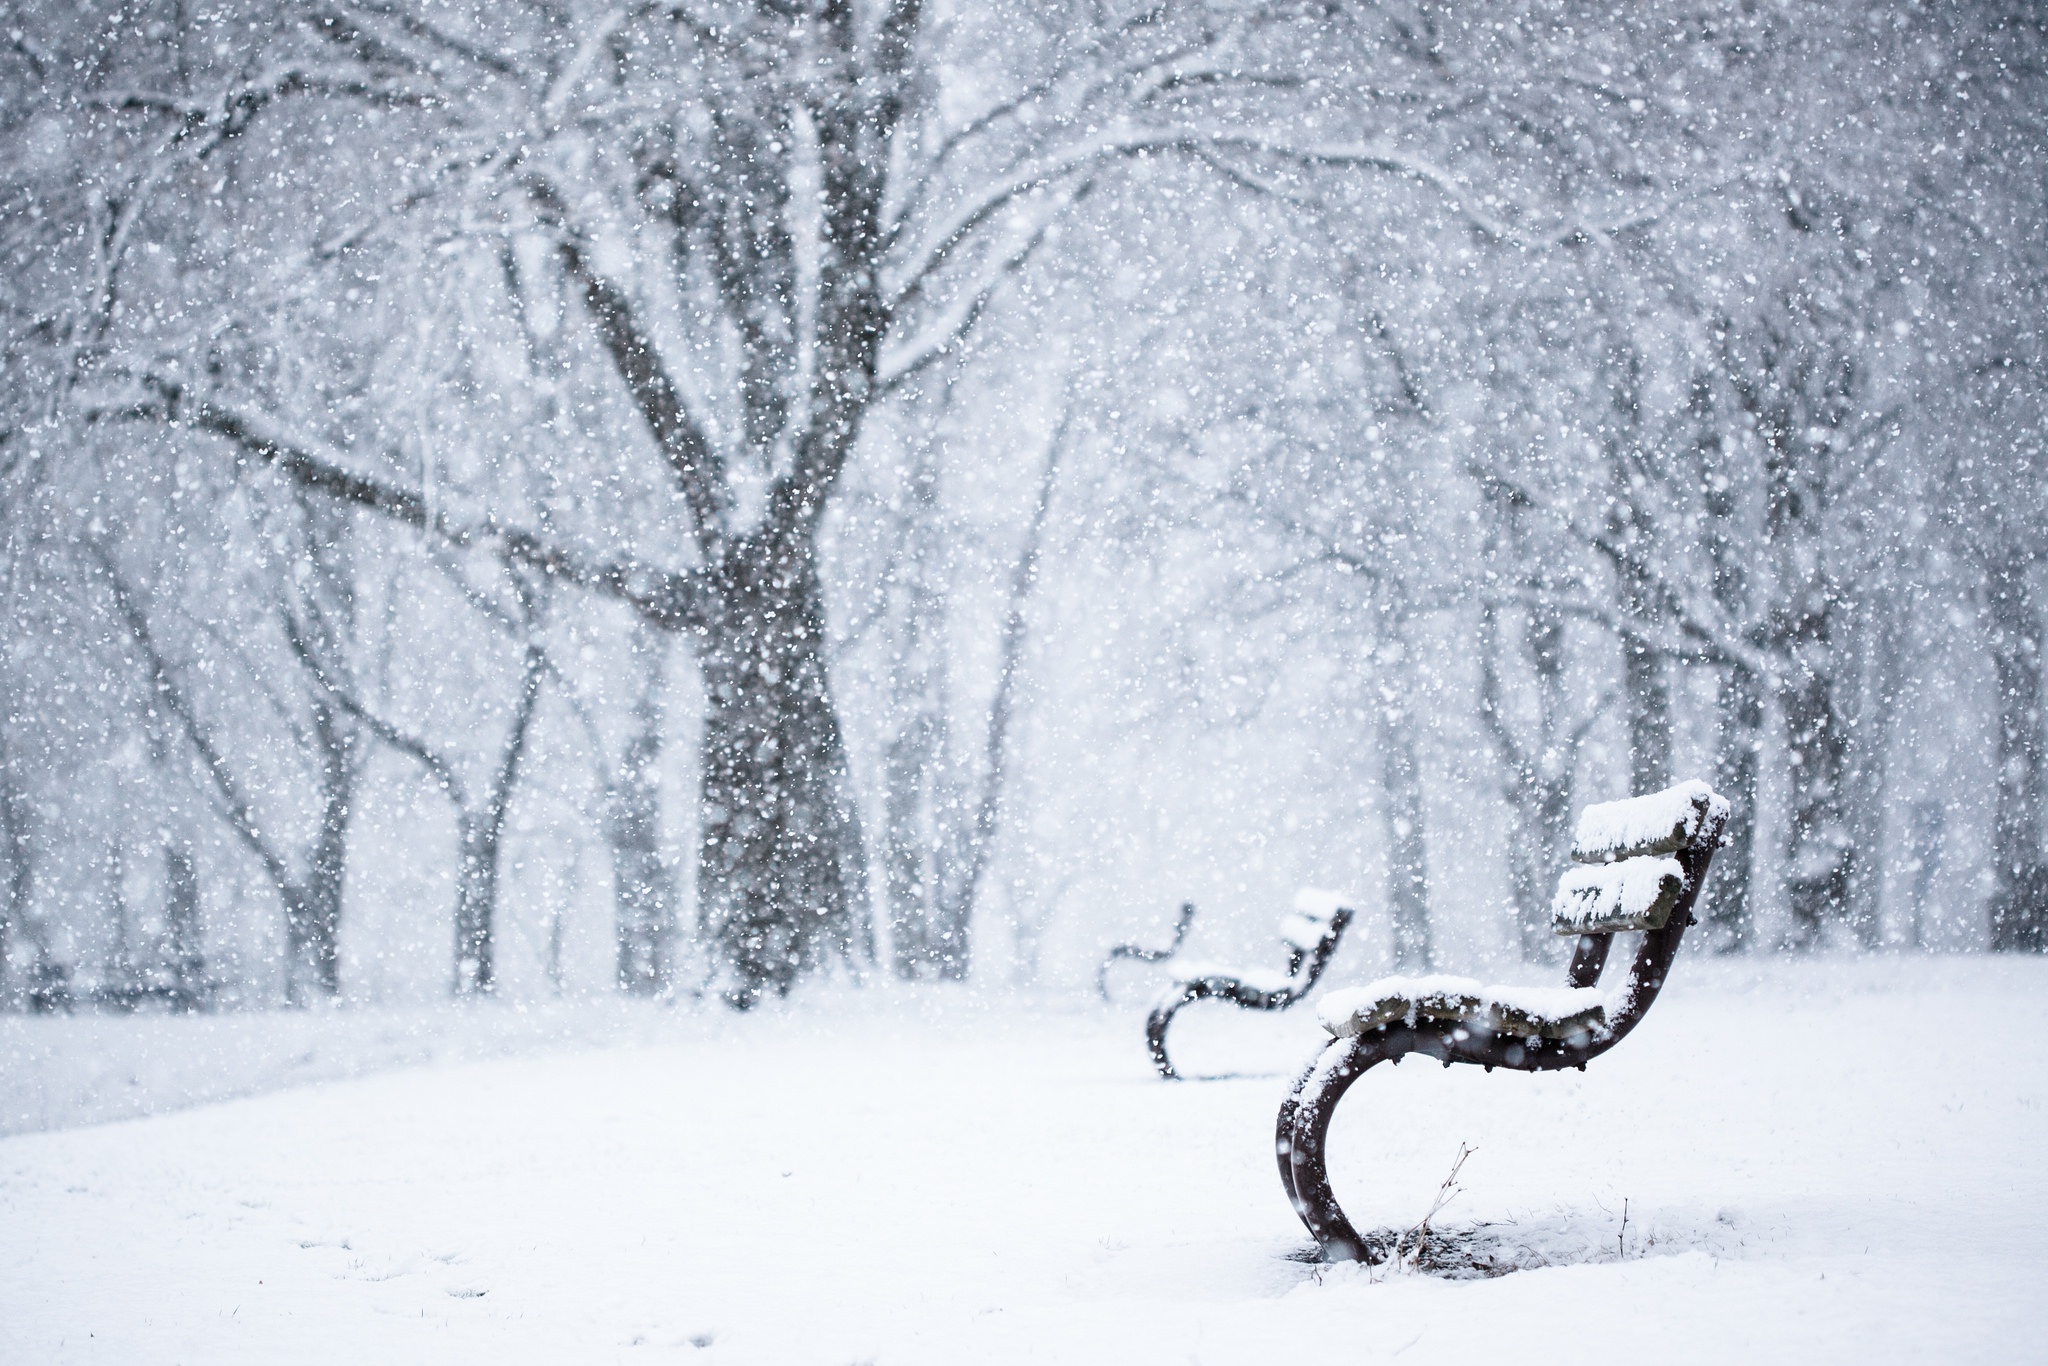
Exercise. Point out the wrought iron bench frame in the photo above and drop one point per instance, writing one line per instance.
(1305, 965)
(1139, 953)
(1303, 1126)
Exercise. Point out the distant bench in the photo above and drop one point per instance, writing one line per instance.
(1310, 932)
(1641, 865)
(1138, 953)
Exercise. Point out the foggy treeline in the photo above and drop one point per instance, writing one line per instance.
(549, 496)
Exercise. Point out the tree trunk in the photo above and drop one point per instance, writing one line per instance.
(1739, 705)
(15, 846)
(1820, 851)
(940, 838)
(1548, 795)
(1407, 853)
(183, 948)
(1873, 668)
(914, 812)
(482, 839)
(1539, 776)
(1929, 831)
(476, 898)
(1540, 834)
(2019, 906)
(313, 907)
(1649, 716)
(781, 880)
(1729, 910)
(643, 883)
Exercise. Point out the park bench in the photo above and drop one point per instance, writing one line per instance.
(1639, 865)
(1310, 932)
(1138, 953)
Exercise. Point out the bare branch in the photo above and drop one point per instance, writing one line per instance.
(165, 686)
(920, 354)
(1705, 639)
(1368, 155)
(634, 356)
(672, 601)
(420, 28)
(433, 761)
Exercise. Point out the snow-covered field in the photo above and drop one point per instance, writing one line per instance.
(1827, 1161)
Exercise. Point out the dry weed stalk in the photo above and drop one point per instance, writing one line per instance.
(1412, 1259)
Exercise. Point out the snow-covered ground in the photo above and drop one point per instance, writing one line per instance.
(1828, 1161)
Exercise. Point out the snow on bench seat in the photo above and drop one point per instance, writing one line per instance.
(1525, 1012)
(1268, 981)
(1634, 894)
(1659, 823)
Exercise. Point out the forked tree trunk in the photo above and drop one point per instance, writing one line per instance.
(781, 882)
(942, 827)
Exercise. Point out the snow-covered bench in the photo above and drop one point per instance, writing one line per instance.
(1640, 866)
(1138, 953)
(1310, 931)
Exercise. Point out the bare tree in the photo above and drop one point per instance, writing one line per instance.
(309, 885)
(822, 217)
(479, 816)
(942, 816)
(615, 296)
(1539, 772)
(1401, 798)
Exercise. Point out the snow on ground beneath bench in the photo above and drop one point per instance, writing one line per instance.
(1811, 1172)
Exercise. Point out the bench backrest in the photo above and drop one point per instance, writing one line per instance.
(1629, 875)
(1311, 931)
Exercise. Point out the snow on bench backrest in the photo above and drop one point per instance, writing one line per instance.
(1660, 823)
(1634, 894)
(1310, 921)
(1628, 879)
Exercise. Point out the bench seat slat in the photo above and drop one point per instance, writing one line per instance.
(1658, 823)
(1267, 980)
(1525, 1012)
(1601, 898)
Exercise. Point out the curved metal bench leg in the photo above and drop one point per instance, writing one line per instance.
(1305, 1128)
(1283, 1130)
(1162, 1016)
(1205, 989)
(1307, 1116)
